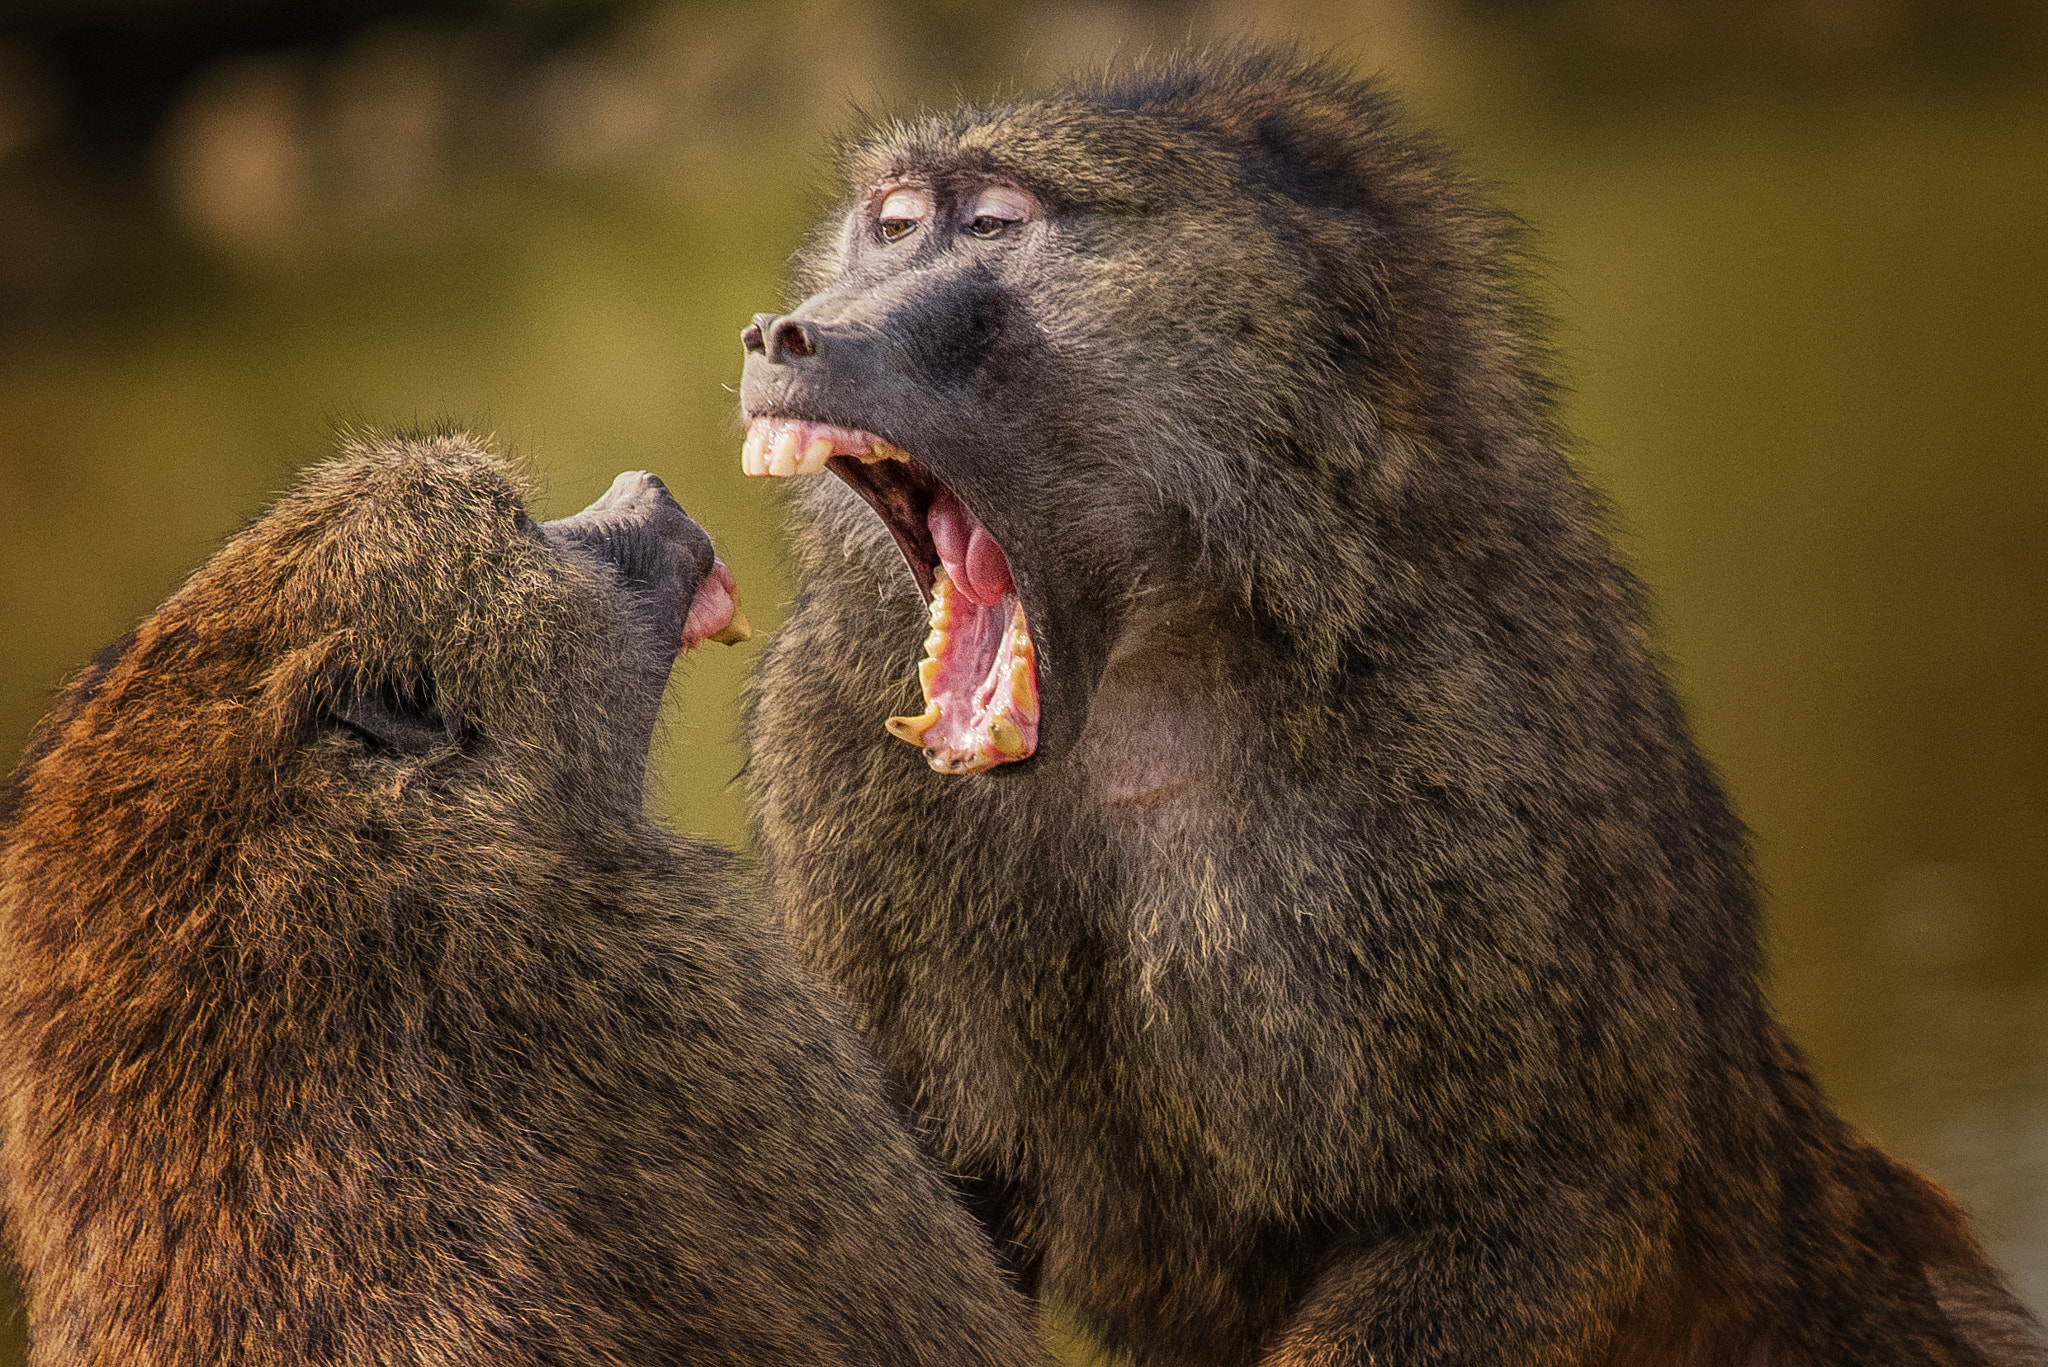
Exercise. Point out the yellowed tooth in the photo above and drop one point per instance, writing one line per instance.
(882, 450)
(782, 454)
(911, 729)
(1005, 736)
(927, 670)
(736, 630)
(751, 455)
(1022, 698)
(816, 452)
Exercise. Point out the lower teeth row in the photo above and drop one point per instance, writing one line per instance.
(1004, 736)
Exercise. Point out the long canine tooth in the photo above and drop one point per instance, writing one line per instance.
(817, 451)
(911, 729)
(752, 455)
(782, 455)
(735, 631)
(1023, 692)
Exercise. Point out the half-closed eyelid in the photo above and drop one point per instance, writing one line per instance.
(905, 202)
(901, 211)
(1005, 202)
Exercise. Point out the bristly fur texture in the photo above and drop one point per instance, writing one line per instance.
(354, 1012)
(1364, 969)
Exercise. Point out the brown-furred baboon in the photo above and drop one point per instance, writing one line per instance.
(355, 1012)
(1300, 916)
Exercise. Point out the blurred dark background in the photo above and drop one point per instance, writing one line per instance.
(1798, 248)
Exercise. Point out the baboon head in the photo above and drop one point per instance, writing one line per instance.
(398, 624)
(1131, 341)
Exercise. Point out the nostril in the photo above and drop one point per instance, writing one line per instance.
(789, 337)
(751, 338)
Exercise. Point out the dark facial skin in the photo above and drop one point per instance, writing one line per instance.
(639, 530)
(638, 533)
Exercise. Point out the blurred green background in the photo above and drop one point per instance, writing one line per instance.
(1796, 247)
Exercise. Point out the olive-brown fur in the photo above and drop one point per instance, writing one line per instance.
(331, 1038)
(1365, 968)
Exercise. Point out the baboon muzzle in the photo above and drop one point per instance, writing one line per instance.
(895, 388)
(684, 591)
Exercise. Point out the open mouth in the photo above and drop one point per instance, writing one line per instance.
(979, 671)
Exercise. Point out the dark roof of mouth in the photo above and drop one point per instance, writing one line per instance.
(901, 493)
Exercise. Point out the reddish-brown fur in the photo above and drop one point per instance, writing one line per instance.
(354, 1012)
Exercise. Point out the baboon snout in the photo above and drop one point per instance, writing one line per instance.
(780, 339)
(641, 530)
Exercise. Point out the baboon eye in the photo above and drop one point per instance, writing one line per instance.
(902, 210)
(996, 208)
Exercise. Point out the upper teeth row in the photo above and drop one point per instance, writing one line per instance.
(787, 448)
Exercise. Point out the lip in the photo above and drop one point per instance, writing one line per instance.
(895, 484)
(715, 611)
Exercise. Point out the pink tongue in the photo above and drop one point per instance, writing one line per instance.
(949, 521)
(988, 569)
(972, 558)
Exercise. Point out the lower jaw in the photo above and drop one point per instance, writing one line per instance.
(980, 684)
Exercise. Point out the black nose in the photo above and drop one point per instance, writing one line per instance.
(780, 339)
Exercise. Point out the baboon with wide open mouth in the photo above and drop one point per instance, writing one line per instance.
(1299, 911)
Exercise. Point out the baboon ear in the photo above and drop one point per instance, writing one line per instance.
(405, 721)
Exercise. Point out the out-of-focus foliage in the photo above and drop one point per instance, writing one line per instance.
(1613, 54)
(1797, 248)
